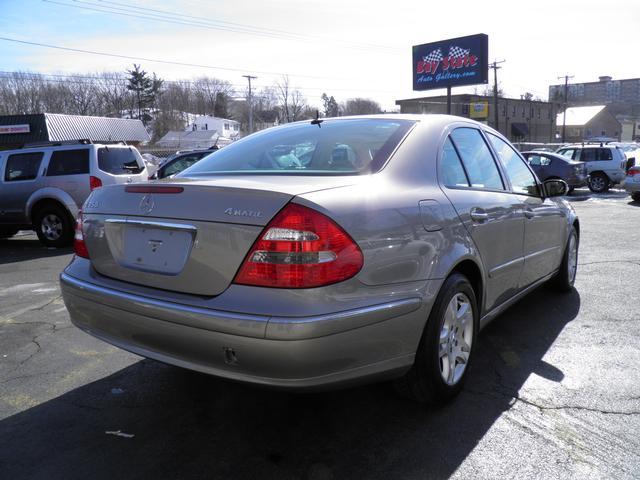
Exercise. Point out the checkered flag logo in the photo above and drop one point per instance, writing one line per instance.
(434, 56)
(457, 52)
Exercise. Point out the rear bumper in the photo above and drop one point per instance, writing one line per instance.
(331, 350)
(632, 186)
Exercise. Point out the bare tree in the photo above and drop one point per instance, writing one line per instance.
(360, 106)
(282, 92)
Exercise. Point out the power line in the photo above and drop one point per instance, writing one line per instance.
(181, 19)
(252, 27)
(87, 80)
(155, 60)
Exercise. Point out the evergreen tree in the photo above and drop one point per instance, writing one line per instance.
(145, 89)
(330, 106)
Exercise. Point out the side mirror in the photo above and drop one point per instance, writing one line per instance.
(555, 188)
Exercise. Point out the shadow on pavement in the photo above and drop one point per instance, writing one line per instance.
(189, 425)
(27, 247)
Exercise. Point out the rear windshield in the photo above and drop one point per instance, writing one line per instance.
(333, 147)
(120, 161)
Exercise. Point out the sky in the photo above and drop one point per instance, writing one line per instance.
(346, 48)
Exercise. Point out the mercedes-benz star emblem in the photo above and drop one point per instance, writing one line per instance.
(146, 204)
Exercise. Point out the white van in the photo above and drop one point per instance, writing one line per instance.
(43, 187)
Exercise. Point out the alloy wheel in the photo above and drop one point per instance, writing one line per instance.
(456, 336)
(51, 227)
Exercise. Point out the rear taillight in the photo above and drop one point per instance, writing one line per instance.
(633, 171)
(300, 248)
(94, 182)
(79, 247)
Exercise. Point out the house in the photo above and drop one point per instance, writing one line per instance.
(189, 140)
(228, 130)
(17, 130)
(584, 123)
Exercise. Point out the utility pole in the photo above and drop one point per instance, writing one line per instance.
(249, 78)
(564, 114)
(495, 67)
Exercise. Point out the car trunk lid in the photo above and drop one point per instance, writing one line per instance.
(185, 236)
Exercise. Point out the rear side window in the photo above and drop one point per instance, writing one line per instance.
(120, 161)
(477, 159)
(567, 152)
(68, 162)
(22, 166)
(522, 180)
(595, 155)
(451, 167)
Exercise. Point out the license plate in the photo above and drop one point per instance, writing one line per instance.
(156, 250)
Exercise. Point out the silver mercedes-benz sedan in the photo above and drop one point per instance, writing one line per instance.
(324, 253)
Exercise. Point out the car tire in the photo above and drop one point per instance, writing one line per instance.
(566, 276)
(54, 226)
(6, 232)
(449, 336)
(635, 196)
(599, 183)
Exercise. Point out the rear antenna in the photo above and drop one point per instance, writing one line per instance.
(317, 120)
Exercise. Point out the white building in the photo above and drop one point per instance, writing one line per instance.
(227, 130)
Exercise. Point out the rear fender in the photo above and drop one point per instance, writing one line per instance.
(53, 194)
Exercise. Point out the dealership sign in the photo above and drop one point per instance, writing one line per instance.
(451, 63)
(14, 129)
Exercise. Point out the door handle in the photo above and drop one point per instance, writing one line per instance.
(478, 215)
(529, 213)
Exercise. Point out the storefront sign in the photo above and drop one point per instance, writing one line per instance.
(450, 63)
(6, 129)
(479, 109)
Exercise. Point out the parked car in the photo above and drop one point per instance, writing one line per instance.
(632, 183)
(606, 164)
(552, 165)
(43, 187)
(178, 163)
(631, 151)
(324, 253)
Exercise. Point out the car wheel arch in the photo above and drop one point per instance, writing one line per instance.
(470, 269)
(47, 202)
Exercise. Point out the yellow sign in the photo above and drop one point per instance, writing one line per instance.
(479, 109)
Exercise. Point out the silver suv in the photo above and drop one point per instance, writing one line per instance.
(606, 164)
(43, 187)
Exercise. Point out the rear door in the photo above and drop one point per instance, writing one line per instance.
(21, 176)
(544, 225)
(492, 216)
(68, 170)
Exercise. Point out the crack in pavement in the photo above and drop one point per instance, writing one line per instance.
(9, 317)
(632, 262)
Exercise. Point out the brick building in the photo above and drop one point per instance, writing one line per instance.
(519, 120)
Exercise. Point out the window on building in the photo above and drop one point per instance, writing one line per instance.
(539, 112)
(23, 166)
(513, 111)
(523, 112)
(226, 126)
(68, 162)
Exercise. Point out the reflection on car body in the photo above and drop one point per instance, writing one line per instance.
(383, 245)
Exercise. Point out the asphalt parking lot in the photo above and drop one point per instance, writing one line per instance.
(554, 391)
